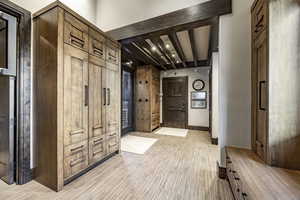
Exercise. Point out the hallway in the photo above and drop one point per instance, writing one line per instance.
(173, 168)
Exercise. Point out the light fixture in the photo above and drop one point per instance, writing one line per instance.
(153, 48)
(177, 61)
(173, 55)
(167, 46)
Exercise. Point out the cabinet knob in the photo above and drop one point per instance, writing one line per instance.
(146, 100)
(140, 100)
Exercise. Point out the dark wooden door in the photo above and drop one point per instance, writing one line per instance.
(175, 102)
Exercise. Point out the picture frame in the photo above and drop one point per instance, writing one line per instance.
(199, 100)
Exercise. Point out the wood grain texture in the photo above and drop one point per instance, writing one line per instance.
(260, 181)
(185, 169)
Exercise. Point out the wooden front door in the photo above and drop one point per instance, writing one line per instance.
(175, 102)
(260, 56)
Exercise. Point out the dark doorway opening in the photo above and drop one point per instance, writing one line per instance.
(175, 102)
(127, 100)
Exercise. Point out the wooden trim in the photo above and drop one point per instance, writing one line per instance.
(23, 171)
(199, 128)
(195, 13)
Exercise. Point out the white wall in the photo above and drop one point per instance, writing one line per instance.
(86, 8)
(235, 76)
(215, 95)
(196, 117)
(113, 14)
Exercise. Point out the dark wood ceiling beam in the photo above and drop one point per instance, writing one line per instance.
(161, 47)
(155, 55)
(126, 57)
(192, 14)
(214, 38)
(200, 63)
(193, 46)
(149, 56)
(131, 49)
(174, 39)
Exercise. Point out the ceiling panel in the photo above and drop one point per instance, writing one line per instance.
(155, 48)
(202, 38)
(185, 43)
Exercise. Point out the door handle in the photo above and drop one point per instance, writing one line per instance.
(104, 96)
(108, 96)
(86, 92)
(261, 83)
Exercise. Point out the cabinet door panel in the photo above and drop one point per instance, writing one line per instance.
(76, 32)
(260, 54)
(112, 100)
(95, 97)
(97, 149)
(75, 95)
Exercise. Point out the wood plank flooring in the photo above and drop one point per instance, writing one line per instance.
(174, 168)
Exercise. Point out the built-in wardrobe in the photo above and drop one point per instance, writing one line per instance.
(77, 95)
(147, 98)
(275, 82)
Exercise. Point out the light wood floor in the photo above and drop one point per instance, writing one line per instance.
(173, 169)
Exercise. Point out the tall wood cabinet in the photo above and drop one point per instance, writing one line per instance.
(77, 95)
(275, 82)
(147, 98)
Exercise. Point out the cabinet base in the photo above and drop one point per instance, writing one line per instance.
(69, 180)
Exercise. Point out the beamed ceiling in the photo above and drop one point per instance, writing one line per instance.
(172, 49)
(183, 38)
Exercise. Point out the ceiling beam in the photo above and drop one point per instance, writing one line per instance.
(160, 45)
(131, 49)
(214, 38)
(191, 14)
(200, 63)
(154, 54)
(174, 39)
(193, 46)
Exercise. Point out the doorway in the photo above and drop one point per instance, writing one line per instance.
(8, 61)
(175, 102)
(127, 100)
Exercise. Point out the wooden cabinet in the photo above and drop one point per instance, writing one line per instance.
(77, 88)
(275, 100)
(147, 98)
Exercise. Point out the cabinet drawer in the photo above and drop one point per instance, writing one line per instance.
(75, 163)
(97, 149)
(96, 44)
(76, 32)
(78, 148)
(259, 17)
(112, 53)
(112, 143)
(112, 127)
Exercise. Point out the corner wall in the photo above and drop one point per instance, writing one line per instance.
(235, 77)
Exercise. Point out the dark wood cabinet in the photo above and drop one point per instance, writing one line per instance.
(77, 95)
(147, 98)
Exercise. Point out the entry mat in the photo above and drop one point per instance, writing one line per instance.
(172, 132)
(135, 144)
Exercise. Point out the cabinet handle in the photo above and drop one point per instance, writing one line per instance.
(97, 51)
(96, 142)
(97, 152)
(108, 96)
(86, 92)
(76, 40)
(113, 134)
(76, 162)
(261, 83)
(104, 96)
(77, 149)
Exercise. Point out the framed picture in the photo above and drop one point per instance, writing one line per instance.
(199, 100)
(198, 95)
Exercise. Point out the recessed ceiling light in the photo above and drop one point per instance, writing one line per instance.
(167, 46)
(173, 55)
(177, 61)
(153, 48)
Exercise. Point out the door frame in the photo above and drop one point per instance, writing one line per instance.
(23, 91)
(127, 130)
(187, 99)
